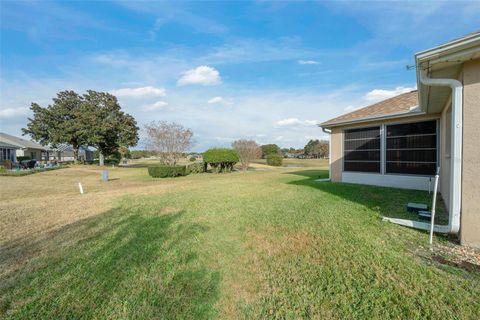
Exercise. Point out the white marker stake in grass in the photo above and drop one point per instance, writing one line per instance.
(80, 187)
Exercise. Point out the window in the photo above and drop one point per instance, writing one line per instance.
(411, 148)
(362, 150)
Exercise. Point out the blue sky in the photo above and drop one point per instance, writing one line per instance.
(263, 70)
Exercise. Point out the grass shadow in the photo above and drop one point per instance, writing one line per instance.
(390, 202)
(122, 264)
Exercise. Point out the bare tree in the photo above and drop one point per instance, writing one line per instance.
(247, 150)
(169, 140)
(320, 150)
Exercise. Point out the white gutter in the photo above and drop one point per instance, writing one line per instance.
(456, 158)
(329, 132)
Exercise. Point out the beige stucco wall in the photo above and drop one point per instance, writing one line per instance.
(336, 155)
(337, 140)
(470, 215)
(445, 148)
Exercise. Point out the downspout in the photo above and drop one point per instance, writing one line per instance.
(456, 158)
(456, 142)
(329, 132)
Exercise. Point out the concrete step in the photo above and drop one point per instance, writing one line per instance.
(415, 207)
(424, 215)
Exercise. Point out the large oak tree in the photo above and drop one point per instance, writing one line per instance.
(110, 128)
(94, 119)
(61, 122)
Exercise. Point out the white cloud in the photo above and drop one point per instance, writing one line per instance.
(379, 94)
(294, 122)
(13, 112)
(307, 62)
(203, 75)
(352, 108)
(220, 100)
(324, 137)
(139, 92)
(156, 106)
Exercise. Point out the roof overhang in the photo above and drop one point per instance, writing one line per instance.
(8, 145)
(412, 113)
(444, 61)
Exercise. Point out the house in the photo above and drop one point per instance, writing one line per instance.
(64, 152)
(7, 153)
(25, 148)
(401, 142)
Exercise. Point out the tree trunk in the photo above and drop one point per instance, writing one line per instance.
(101, 159)
(75, 154)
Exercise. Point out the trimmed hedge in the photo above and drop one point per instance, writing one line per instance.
(221, 159)
(23, 158)
(167, 171)
(274, 160)
(197, 167)
(21, 173)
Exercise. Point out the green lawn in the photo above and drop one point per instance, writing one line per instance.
(259, 244)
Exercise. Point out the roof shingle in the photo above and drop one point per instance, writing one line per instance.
(402, 103)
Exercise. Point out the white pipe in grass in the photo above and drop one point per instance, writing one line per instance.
(80, 187)
(434, 203)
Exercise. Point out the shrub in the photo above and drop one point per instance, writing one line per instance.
(197, 167)
(274, 160)
(167, 171)
(269, 149)
(2, 169)
(23, 158)
(221, 159)
(193, 159)
(20, 173)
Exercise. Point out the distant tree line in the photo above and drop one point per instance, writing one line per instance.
(316, 149)
(313, 149)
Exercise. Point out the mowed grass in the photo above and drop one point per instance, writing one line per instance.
(270, 244)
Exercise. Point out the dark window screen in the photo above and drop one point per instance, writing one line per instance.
(412, 148)
(362, 150)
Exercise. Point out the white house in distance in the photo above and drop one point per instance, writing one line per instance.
(400, 142)
(8, 152)
(64, 152)
(26, 148)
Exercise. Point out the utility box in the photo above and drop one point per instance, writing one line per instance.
(105, 175)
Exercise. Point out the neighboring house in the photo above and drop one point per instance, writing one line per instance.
(295, 154)
(400, 142)
(7, 152)
(26, 148)
(64, 152)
